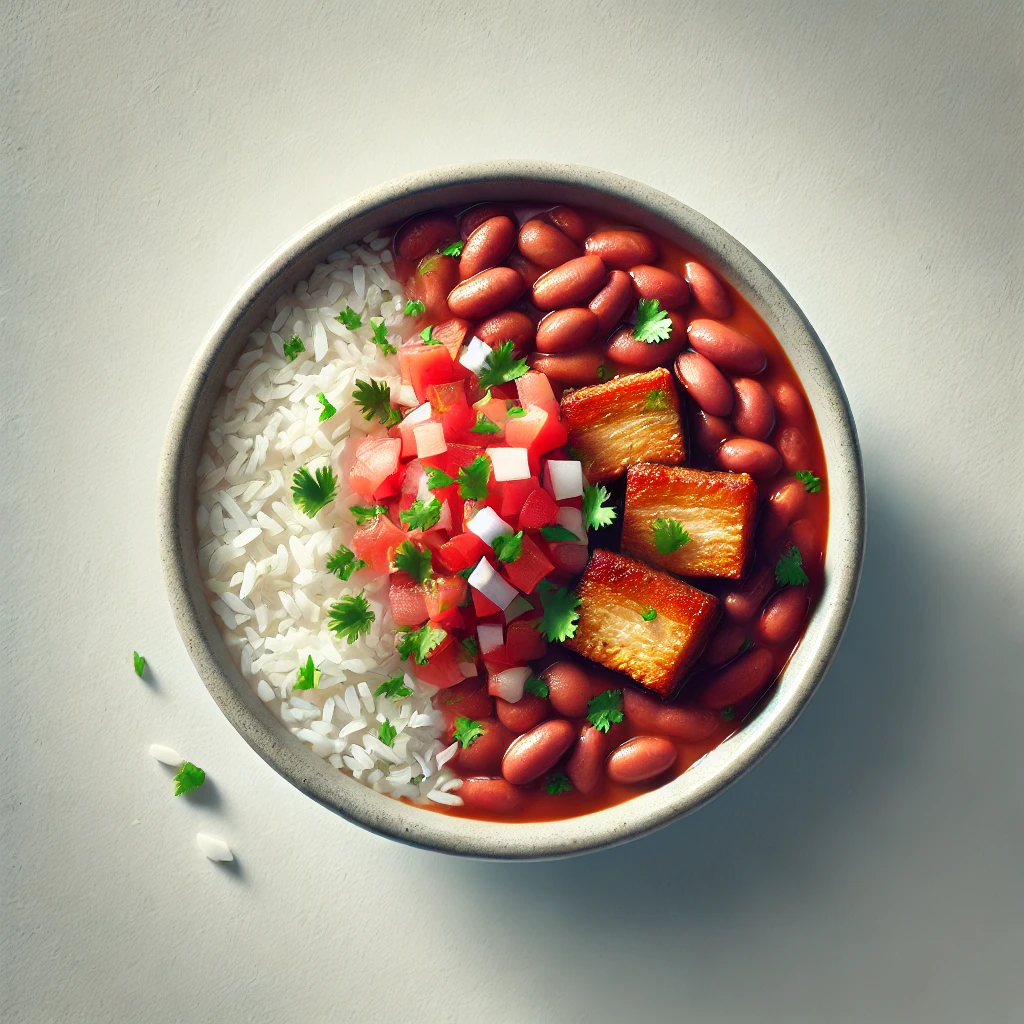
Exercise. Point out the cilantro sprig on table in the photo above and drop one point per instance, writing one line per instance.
(139, 663)
(189, 778)
(501, 367)
(418, 643)
(652, 322)
(351, 617)
(561, 612)
(604, 710)
(596, 514)
(669, 536)
(312, 491)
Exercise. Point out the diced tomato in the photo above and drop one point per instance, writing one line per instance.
(569, 557)
(514, 494)
(497, 660)
(451, 334)
(483, 605)
(461, 552)
(538, 509)
(535, 390)
(538, 432)
(375, 543)
(442, 667)
(413, 475)
(423, 365)
(435, 277)
(450, 404)
(523, 642)
(406, 431)
(376, 463)
(408, 600)
(454, 620)
(435, 538)
(444, 593)
(458, 457)
(529, 568)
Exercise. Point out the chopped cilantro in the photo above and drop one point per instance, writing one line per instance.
(605, 710)
(595, 513)
(349, 318)
(669, 536)
(515, 411)
(508, 546)
(421, 515)
(428, 263)
(393, 688)
(413, 560)
(536, 686)
(471, 646)
(387, 733)
(140, 663)
(427, 334)
(307, 677)
(729, 713)
(380, 338)
(650, 615)
(484, 425)
(789, 569)
(189, 777)
(501, 366)
(557, 533)
(351, 617)
(466, 731)
(344, 562)
(652, 322)
(812, 483)
(292, 347)
(311, 492)
(656, 399)
(746, 645)
(366, 513)
(374, 398)
(326, 409)
(558, 782)
(467, 572)
(414, 307)
(418, 643)
(455, 249)
(603, 373)
(473, 479)
(561, 615)
(437, 478)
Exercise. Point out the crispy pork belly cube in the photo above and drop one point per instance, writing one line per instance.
(717, 510)
(628, 420)
(615, 593)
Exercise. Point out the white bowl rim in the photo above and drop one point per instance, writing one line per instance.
(400, 198)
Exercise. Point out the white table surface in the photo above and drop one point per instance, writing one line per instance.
(870, 868)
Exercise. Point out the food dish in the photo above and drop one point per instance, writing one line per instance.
(522, 414)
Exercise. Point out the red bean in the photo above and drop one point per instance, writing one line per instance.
(485, 293)
(569, 688)
(423, 234)
(648, 714)
(508, 325)
(754, 415)
(476, 215)
(782, 617)
(528, 711)
(528, 271)
(542, 243)
(742, 604)
(804, 536)
(566, 219)
(623, 348)
(613, 300)
(487, 246)
(621, 249)
(640, 759)
(705, 383)
(565, 330)
(573, 369)
(709, 431)
(739, 679)
(744, 455)
(788, 401)
(483, 756)
(494, 795)
(725, 644)
(654, 283)
(793, 448)
(468, 698)
(784, 505)
(587, 759)
(727, 349)
(434, 279)
(571, 284)
(708, 292)
(529, 756)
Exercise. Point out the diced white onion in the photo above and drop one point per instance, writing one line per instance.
(572, 519)
(491, 585)
(509, 684)
(491, 637)
(487, 525)
(509, 464)
(475, 356)
(563, 478)
(520, 606)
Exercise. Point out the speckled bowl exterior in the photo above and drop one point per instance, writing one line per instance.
(547, 183)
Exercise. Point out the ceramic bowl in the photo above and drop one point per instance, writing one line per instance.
(465, 184)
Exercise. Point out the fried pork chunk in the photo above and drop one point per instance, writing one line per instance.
(616, 594)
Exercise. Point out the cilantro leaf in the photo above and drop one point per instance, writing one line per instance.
(536, 686)
(650, 615)
(603, 373)
(746, 645)
(374, 398)
(605, 710)
(292, 347)
(421, 515)
(366, 513)
(351, 617)
(561, 615)
(414, 307)
(428, 263)
(508, 546)
(189, 777)
(393, 688)
(409, 558)
(557, 533)
(427, 335)
(139, 662)
(656, 399)
(812, 483)
(307, 677)
(558, 782)
(789, 569)
(380, 338)
(501, 367)
(484, 425)
(466, 731)
(437, 478)
(349, 318)
(669, 536)
(455, 249)
(471, 646)
(312, 492)
(595, 513)
(326, 409)
(473, 479)
(387, 733)
(418, 643)
(467, 572)
(652, 322)
(344, 562)
(729, 713)
(515, 411)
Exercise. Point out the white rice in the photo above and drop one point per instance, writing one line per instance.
(264, 560)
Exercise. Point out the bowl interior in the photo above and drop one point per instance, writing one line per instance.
(526, 182)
